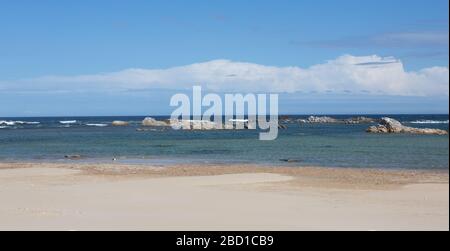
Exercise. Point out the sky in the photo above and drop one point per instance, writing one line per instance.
(61, 58)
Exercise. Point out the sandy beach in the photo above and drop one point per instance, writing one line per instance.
(208, 197)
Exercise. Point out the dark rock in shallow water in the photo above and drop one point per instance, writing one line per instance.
(147, 129)
(291, 160)
(388, 125)
(76, 156)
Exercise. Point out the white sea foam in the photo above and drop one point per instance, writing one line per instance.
(98, 125)
(429, 122)
(8, 123)
(3, 127)
(64, 122)
(11, 123)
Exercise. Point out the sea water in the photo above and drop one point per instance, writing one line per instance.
(330, 145)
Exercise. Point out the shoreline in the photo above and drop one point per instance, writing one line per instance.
(55, 196)
(176, 162)
(329, 177)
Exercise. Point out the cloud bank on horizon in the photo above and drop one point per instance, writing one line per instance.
(369, 75)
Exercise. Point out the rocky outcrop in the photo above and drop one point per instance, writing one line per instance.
(240, 124)
(153, 122)
(326, 119)
(323, 119)
(205, 125)
(210, 125)
(360, 120)
(284, 119)
(195, 124)
(389, 125)
(119, 123)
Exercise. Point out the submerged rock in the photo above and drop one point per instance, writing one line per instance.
(291, 160)
(75, 156)
(146, 129)
(389, 125)
(119, 123)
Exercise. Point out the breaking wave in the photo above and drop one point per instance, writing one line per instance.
(64, 122)
(12, 123)
(429, 122)
(98, 125)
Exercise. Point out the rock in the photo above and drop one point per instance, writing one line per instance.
(195, 124)
(291, 160)
(389, 125)
(76, 156)
(239, 124)
(326, 119)
(250, 125)
(285, 119)
(281, 126)
(392, 125)
(146, 129)
(153, 122)
(360, 120)
(119, 123)
(428, 131)
(316, 119)
(207, 125)
(228, 126)
(210, 125)
(377, 129)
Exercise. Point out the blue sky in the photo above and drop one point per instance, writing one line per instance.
(62, 38)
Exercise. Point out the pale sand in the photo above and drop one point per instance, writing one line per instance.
(119, 197)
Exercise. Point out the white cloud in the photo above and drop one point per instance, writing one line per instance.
(346, 74)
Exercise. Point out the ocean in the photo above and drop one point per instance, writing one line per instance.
(49, 139)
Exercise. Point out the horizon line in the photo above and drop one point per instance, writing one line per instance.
(305, 114)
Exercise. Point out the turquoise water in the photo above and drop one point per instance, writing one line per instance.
(336, 145)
